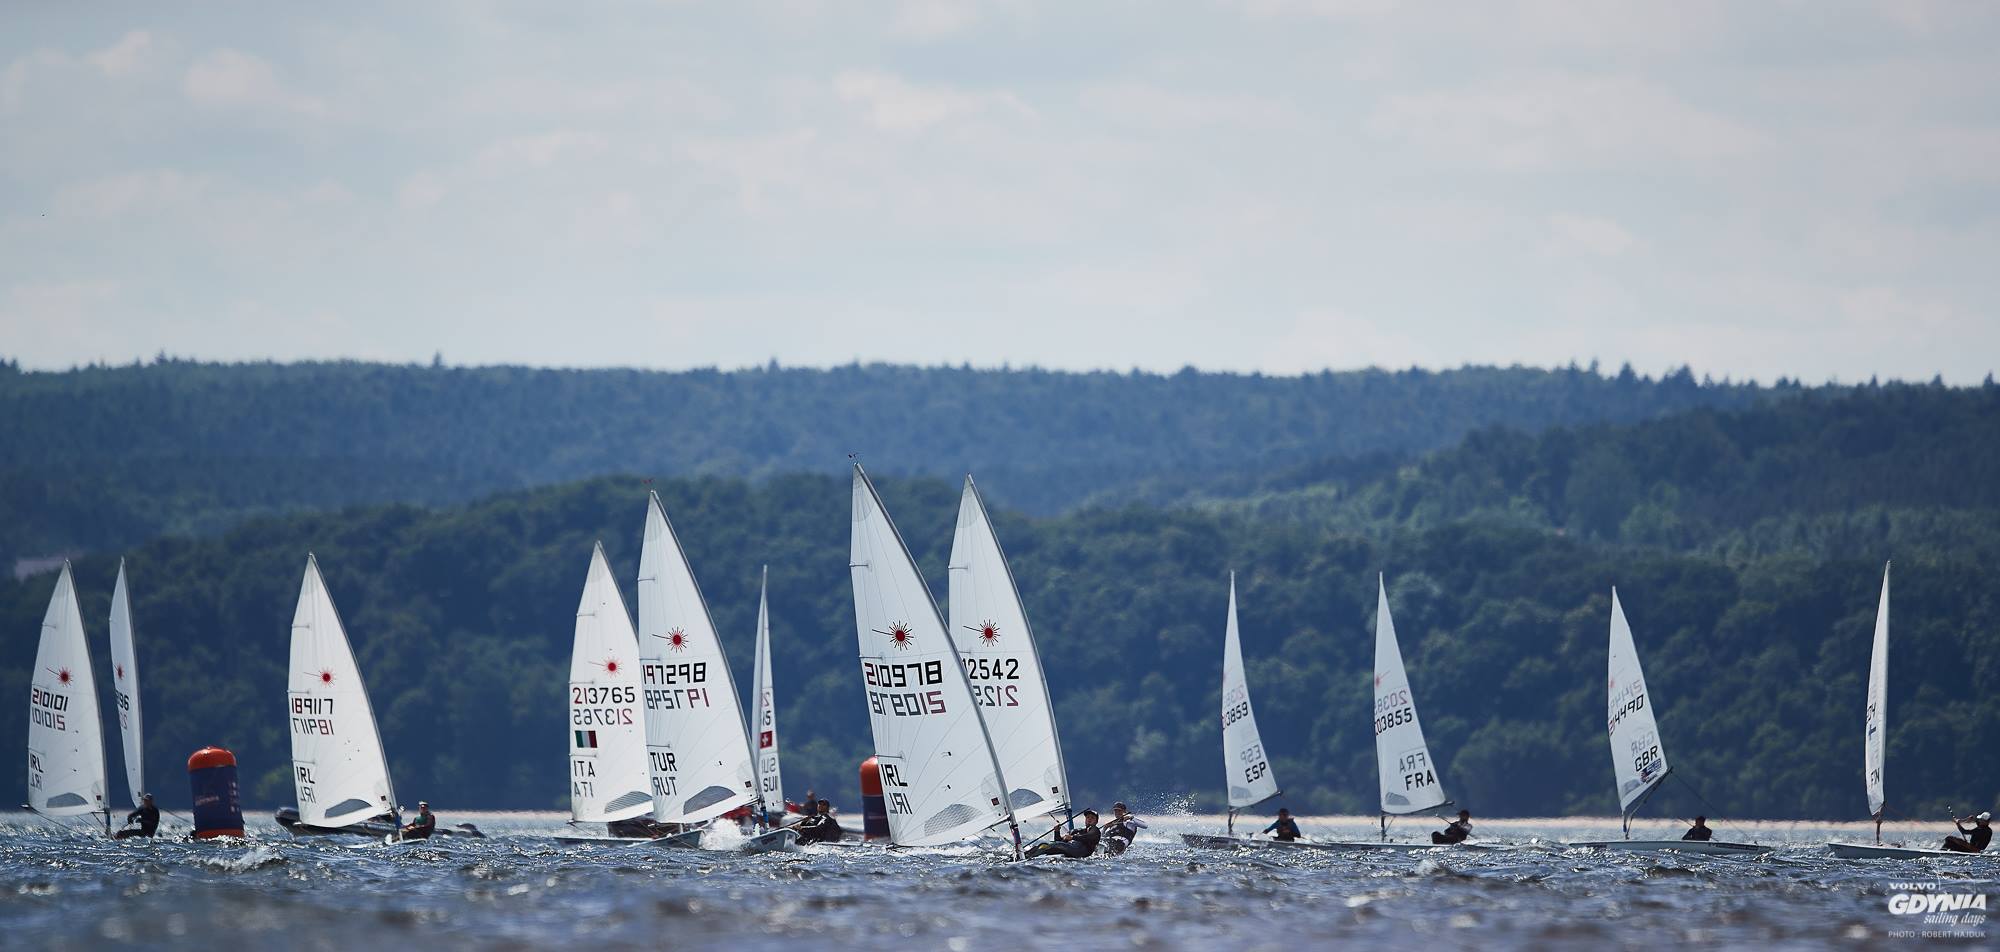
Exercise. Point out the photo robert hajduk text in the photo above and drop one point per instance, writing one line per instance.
(1937, 910)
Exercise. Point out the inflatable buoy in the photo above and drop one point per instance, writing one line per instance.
(874, 810)
(217, 809)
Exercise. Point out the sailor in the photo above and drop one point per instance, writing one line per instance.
(1456, 832)
(1076, 844)
(1699, 831)
(1975, 839)
(147, 816)
(1284, 827)
(1122, 830)
(820, 827)
(421, 827)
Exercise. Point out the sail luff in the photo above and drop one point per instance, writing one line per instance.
(1874, 754)
(66, 775)
(1246, 768)
(1638, 759)
(916, 708)
(1407, 774)
(125, 688)
(1010, 683)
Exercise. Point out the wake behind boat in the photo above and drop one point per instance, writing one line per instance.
(1638, 758)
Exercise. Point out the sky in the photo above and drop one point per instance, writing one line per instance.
(1805, 189)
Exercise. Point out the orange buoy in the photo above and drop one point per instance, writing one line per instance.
(217, 808)
(874, 810)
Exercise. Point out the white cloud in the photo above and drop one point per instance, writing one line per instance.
(127, 56)
(235, 79)
(895, 104)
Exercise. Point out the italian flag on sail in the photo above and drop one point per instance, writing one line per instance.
(586, 738)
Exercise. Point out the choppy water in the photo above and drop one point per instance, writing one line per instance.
(522, 889)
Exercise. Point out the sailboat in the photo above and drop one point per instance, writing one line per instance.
(608, 775)
(989, 626)
(338, 771)
(65, 736)
(1246, 770)
(1407, 774)
(1638, 758)
(770, 779)
(698, 753)
(1874, 747)
(125, 687)
(941, 777)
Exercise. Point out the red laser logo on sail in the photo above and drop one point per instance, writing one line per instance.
(989, 633)
(899, 635)
(677, 639)
(326, 677)
(610, 666)
(119, 670)
(63, 675)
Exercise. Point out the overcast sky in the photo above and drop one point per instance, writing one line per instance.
(1800, 188)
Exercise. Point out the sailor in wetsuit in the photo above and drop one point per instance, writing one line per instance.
(1975, 839)
(1122, 830)
(1699, 831)
(1284, 828)
(423, 826)
(820, 827)
(147, 816)
(1076, 844)
(1456, 832)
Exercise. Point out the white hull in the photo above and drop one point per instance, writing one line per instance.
(1703, 848)
(774, 841)
(1859, 851)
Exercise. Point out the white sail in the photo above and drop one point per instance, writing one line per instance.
(125, 686)
(940, 778)
(607, 734)
(337, 764)
(1874, 755)
(1637, 756)
(997, 646)
(1251, 780)
(65, 737)
(696, 746)
(1402, 759)
(770, 782)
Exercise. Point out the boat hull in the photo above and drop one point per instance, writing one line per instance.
(372, 829)
(1860, 851)
(1209, 841)
(1695, 847)
(1406, 847)
(774, 841)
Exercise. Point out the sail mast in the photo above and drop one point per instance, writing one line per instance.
(125, 686)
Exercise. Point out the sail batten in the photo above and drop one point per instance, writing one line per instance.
(697, 747)
(1638, 759)
(65, 735)
(941, 779)
(607, 732)
(996, 643)
(339, 772)
(1408, 776)
(1250, 779)
(125, 688)
(1874, 754)
(764, 725)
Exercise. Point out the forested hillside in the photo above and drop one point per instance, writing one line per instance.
(108, 456)
(1756, 657)
(1908, 468)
